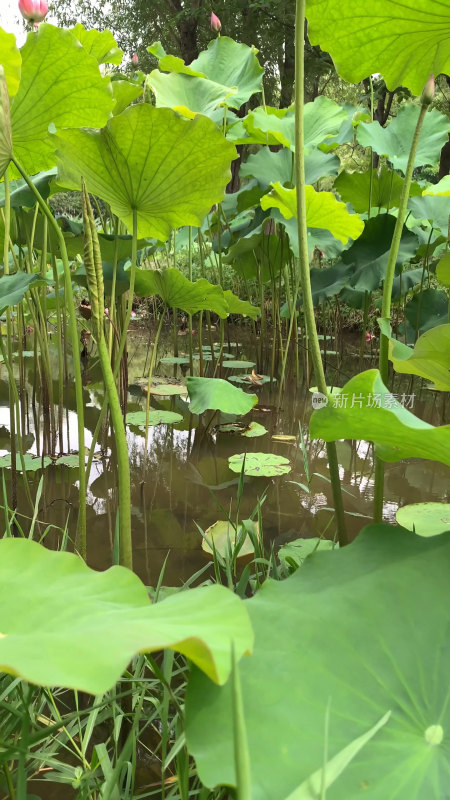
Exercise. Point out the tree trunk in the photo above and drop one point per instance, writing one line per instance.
(287, 71)
(187, 27)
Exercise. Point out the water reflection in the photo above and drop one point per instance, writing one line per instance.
(184, 478)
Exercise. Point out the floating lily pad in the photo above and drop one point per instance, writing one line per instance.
(175, 360)
(32, 463)
(72, 460)
(254, 429)
(138, 418)
(168, 389)
(219, 395)
(222, 535)
(238, 364)
(425, 519)
(265, 465)
(246, 380)
(106, 618)
(294, 553)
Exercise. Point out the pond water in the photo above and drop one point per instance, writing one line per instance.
(184, 479)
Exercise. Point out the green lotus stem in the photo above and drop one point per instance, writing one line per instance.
(304, 275)
(387, 296)
(150, 373)
(81, 541)
(94, 274)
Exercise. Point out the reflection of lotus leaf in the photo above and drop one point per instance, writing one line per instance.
(263, 464)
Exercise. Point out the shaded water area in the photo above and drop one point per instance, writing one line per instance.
(184, 479)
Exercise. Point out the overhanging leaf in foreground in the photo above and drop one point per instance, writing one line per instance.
(365, 409)
(392, 655)
(106, 618)
(169, 169)
(406, 41)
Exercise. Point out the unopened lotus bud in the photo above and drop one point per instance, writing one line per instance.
(215, 23)
(33, 11)
(428, 92)
(135, 60)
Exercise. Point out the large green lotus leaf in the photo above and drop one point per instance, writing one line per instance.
(187, 94)
(354, 188)
(219, 395)
(269, 167)
(10, 60)
(14, 287)
(169, 169)
(405, 41)
(21, 195)
(61, 85)
(430, 357)
(365, 409)
(5, 126)
(124, 93)
(322, 119)
(351, 635)
(233, 64)
(395, 141)
(369, 254)
(322, 211)
(433, 208)
(179, 292)
(168, 63)
(106, 618)
(99, 44)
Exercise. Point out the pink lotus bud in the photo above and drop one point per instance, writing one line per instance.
(135, 59)
(369, 337)
(215, 23)
(33, 11)
(428, 92)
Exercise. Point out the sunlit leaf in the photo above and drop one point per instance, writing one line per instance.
(430, 357)
(233, 64)
(99, 44)
(222, 536)
(386, 187)
(169, 169)
(322, 211)
(10, 60)
(5, 126)
(61, 86)
(124, 92)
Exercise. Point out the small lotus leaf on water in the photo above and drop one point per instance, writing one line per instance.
(68, 461)
(238, 364)
(139, 418)
(32, 463)
(167, 389)
(174, 360)
(294, 553)
(265, 465)
(106, 618)
(254, 429)
(222, 536)
(249, 380)
(328, 674)
(425, 519)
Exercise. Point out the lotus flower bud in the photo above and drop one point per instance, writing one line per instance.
(33, 11)
(215, 23)
(135, 60)
(428, 92)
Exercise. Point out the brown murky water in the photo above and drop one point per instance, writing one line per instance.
(185, 478)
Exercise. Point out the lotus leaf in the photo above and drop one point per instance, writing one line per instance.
(139, 418)
(99, 44)
(430, 357)
(222, 536)
(31, 463)
(106, 618)
(425, 519)
(265, 465)
(233, 64)
(322, 211)
(365, 409)
(219, 395)
(381, 657)
(178, 169)
(405, 41)
(387, 186)
(10, 60)
(14, 287)
(395, 140)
